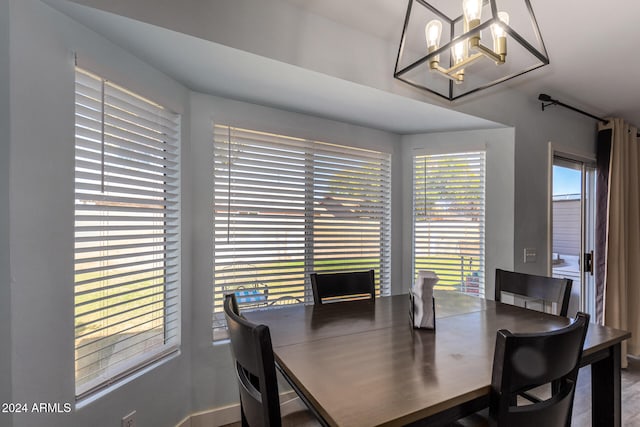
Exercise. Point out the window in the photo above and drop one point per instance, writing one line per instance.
(448, 219)
(286, 207)
(127, 255)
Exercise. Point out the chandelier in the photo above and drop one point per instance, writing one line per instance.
(457, 47)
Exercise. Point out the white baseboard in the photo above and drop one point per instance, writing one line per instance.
(225, 415)
(216, 417)
(185, 423)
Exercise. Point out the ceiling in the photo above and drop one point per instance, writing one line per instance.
(592, 48)
(593, 63)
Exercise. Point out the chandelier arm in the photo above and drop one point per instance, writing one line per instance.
(489, 53)
(447, 73)
(469, 60)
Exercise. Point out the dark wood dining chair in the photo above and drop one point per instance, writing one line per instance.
(548, 290)
(254, 367)
(524, 361)
(342, 286)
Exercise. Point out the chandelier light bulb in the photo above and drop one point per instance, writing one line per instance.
(432, 32)
(457, 51)
(472, 10)
(497, 29)
(500, 37)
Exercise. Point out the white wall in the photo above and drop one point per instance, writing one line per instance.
(499, 207)
(534, 130)
(5, 290)
(41, 210)
(41, 183)
(213, 382)
(41, 218)
(279, 30)
(276, 29)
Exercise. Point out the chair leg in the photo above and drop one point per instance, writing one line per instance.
(243, 419)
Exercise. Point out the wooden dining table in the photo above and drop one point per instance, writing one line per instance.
(361, 364)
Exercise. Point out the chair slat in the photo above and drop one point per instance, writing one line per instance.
(342, 286)
(546, 289)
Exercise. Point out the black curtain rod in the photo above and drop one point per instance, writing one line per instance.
(546, 98)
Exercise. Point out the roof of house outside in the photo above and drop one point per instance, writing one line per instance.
(561, 197)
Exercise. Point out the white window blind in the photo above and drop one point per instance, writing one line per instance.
(449, 219)
(127, 229)
(286, 207)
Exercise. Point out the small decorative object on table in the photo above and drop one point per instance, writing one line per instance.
(423, 306)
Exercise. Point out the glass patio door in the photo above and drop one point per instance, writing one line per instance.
(573, 229)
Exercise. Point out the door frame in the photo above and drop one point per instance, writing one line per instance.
(570, 154)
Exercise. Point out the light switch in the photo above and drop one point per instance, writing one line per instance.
(530, 255)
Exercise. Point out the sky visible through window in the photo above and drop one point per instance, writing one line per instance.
(566, 181)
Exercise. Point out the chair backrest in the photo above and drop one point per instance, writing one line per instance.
(342, 285)
(524, 361)
(546, 289)
(254, 367)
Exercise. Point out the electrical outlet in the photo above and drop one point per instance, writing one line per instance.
(129, 420)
